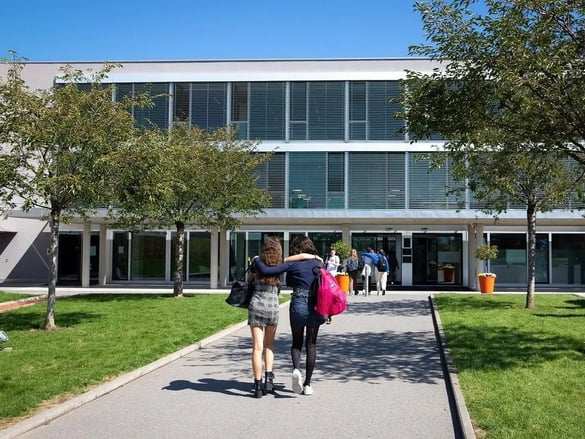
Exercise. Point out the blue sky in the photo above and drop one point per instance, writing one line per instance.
(123, 30)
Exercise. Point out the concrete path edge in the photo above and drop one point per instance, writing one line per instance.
(50, 414)
(451, 379)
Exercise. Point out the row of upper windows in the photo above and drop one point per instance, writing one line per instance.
(364, 180)
(289, 111)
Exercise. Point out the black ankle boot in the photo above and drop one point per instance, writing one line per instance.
(268, 382)
(258, 389)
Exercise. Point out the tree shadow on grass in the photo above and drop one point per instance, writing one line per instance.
(25, 321)
(487, 348)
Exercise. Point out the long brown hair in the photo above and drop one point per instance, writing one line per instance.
(271, 255)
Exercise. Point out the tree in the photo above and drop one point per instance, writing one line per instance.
(185, 176)
(528, 56)
(488, 100)
(51, 140)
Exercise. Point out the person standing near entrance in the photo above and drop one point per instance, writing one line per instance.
(382, 270)
(370, 259)
(352, 267)
(394, 267)
(332, 262)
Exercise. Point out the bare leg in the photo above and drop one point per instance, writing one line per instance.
(269, 335)
(257, 348)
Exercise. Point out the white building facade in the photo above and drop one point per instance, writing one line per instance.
(344, 168)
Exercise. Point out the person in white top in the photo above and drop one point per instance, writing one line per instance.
(332, 262)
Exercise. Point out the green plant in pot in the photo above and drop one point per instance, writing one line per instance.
(342, 250)
(485, 252)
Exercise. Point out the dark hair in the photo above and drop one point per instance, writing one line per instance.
(303, 244)
(271, 255)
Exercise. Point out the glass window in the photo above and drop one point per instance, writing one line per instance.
(335, 180)
(158, 114)
(324, 240)
(271, 176)
(148, 255)
(376, 180)
(208, 105)
(240, 107)
(238, 257)
(298, 101)
(326, 110)
(307, 180)
(510, 265)
(120, 256)
(382, 121)
(357, 111)
(181, 101)
(240, 102)
(298, 111)
(199, 256)
(568, 259)
(267, 109)
(429, 187)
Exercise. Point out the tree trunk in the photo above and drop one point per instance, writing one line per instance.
(179, 260)
(531, 219)
(53, 253)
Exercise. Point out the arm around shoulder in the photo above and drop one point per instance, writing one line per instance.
(301, 257)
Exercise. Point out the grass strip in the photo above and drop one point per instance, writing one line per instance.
(99, 337)
(521, 371)
(9, 297)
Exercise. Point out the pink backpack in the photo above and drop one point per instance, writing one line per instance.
(331, 299)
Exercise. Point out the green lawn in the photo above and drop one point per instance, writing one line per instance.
(99, 337)
(522, 371)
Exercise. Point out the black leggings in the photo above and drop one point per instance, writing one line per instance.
(298, 333)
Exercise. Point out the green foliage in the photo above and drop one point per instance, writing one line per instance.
(519, 370)
(342, 250)
(52, 140)
(183, 177)
(486, 252)
(504, 95)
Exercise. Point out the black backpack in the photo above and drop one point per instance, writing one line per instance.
(361, 263)
(382, 264)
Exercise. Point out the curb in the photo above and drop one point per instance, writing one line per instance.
(49, 415)
(454, 389)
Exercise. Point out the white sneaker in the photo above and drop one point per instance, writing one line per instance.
(307, 390)
(297, 381)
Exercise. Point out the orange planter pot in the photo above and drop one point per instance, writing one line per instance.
(448, 274)
(343, 281)
(486, 284)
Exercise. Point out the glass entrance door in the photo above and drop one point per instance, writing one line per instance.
(389, 242)
(437, 259)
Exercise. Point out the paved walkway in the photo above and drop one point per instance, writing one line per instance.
(379, 374)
